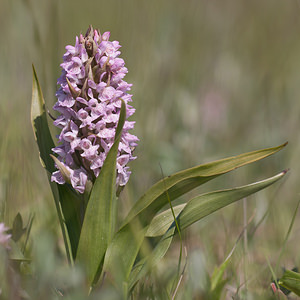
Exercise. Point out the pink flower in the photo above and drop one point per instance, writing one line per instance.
(89, 102)
(4, 237)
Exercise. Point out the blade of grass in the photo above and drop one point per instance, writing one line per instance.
(216, 278)
(272, 272)
(28, 230)
(287, 236)
(177, 228)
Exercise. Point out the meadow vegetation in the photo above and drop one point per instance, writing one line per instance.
(211, 79)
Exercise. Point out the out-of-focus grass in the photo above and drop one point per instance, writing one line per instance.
(211, 79)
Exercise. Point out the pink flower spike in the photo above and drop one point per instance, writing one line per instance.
(93, 73)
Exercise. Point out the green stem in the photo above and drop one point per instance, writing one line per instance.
(63, 226)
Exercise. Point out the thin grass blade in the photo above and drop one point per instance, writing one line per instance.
(287, 236)
(144, 265)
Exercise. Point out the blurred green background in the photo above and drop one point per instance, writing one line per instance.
(210, 79)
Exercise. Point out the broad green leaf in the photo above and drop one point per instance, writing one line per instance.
(71, 205)
(196, 209)
(176, 185)
(161, 222)
(40, 125)
(182, 182)
(100, 216)
(291, 281)
(123, 250)
(204, 205)
(68, 213)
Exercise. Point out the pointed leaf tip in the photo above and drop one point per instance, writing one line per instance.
(37, 101)
(285, 171)
(63, 170)
(40, 124)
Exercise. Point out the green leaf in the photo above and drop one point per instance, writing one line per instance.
(28, 230)
(66, 200)
(15, 253)
(155, 198)
(287, 236)
(217, 282)
(204, 205)
(40, 125)
(217, 278)
(122, 252)
(182, 182)
(161, 222)
(100, 216)
(71, 206)
(17, 229)
(291, 281)
(196, 209)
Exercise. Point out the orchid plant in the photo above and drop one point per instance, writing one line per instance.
(87, 168)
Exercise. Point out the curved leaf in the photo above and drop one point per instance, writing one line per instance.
(155, 198)
(123, 250)
(100, 216)
(196, 209)
(161, 222)
(203, 205)
(66, 201)
(184, 181)
(40, 125)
